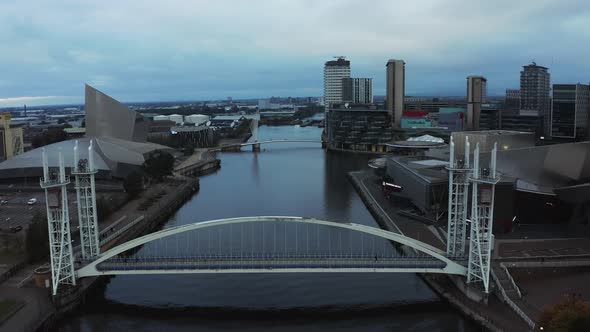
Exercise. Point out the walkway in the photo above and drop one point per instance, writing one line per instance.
(270, 264)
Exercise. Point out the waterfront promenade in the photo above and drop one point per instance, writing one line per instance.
(495, 315)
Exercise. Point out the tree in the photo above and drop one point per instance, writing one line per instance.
(51, 135)
(572, 314)
(61, 121)
(133, 184)
(159, 164)
(37, 241)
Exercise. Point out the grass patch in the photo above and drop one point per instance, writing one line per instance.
(8, 308)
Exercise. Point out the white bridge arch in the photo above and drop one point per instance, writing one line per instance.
(451, 266)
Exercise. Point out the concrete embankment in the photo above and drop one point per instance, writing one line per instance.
(494, 316)
(200, 163)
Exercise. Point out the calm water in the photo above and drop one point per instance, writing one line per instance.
(284, 179)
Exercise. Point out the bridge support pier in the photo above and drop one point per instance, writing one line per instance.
(256, 147)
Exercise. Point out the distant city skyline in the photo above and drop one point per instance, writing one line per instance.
(201, 50)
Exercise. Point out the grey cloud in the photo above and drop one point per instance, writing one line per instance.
(175, 49)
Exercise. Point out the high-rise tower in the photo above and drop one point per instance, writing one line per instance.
(334, 72)
(534, 93)
(476, 95)
(396, 89)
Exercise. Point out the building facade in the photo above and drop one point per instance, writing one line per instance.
(334, 72)
(534, 94)
(11, 138)
(569, 111)
(476, 95)
(395, 90)
(357, 90)
(526, 123)
(358, 128)
(512, 101)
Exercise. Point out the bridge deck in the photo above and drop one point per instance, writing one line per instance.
(267, 264)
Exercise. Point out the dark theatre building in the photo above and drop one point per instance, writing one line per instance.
(539, 185)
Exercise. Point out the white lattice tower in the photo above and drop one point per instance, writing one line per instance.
(58, 220)
(482, 218)
(84, 172)
(458, 200)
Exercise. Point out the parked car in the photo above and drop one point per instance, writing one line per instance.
(3, 202)
(32, 201)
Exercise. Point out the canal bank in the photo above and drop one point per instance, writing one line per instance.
(41, 311)
(494, 316)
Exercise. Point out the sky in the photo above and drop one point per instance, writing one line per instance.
(212, 49)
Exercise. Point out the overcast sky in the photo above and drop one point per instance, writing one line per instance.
(205, 49)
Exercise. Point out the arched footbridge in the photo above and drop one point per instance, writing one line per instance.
(428, 259)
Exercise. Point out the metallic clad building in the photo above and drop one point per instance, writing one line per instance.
(118, 134)
(395, 89)
(107, 117)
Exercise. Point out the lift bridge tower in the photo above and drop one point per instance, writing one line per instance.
(84, 172)
(483, 182)
(459, 171)
(58, 219)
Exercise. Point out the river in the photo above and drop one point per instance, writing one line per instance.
(298, 179)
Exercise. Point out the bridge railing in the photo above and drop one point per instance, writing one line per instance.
(511, 303)
(280, 256)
